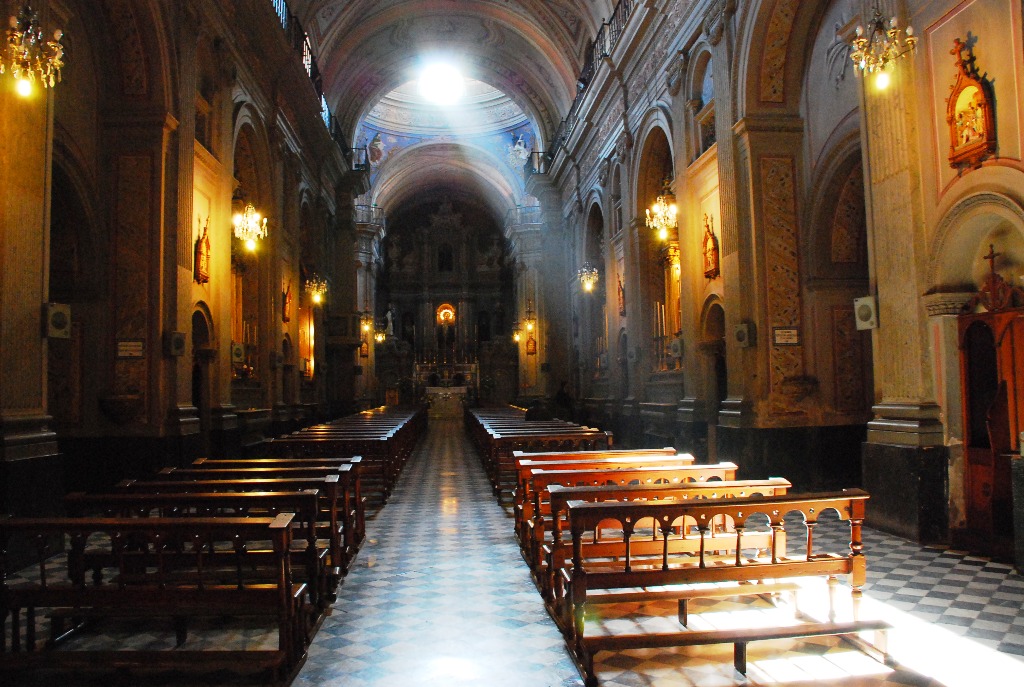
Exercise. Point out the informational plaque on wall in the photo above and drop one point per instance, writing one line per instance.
(785, 336)
(131, 348)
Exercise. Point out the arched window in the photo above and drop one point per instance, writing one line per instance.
(703, 106)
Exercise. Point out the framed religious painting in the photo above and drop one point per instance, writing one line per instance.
(970, 112)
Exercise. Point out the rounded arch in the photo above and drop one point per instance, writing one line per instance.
(774, 39)
(202, 327)
(251, 155)
(837, 217)
(656, 161)
(594, 235)
(74, 226)
(452, 164)
(966, 230)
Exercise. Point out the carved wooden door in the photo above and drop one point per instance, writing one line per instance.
(992, 371)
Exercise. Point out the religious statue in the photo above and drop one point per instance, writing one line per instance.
(286, 304)
(201, 258)
(389, 317)
(622, 298)
(711, 269)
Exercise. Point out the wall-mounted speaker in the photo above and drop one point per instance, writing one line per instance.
(865, 312)
(744, 334)
(174, 344)
(57, 320)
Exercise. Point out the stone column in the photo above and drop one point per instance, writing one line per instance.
(905, 439)
(30, 476)
(367, 237)
(182, 415)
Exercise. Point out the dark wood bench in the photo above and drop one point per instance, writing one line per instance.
(153, 576)
(307, 555)
(334, 511)
(589, 577)
(350, 481)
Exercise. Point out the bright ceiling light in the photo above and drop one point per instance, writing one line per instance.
(441, 83)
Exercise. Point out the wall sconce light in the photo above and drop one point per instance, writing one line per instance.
(877, 47)
(250, 227)
(661, 217)
(28, 57)
(588, 277)
(517, 333)
(316, 287)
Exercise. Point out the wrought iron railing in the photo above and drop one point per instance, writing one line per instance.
(359, 159)
(520, 216)
(299, 40)
(601, 47)
(368, 214)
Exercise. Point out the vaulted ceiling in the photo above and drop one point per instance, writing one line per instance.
(529, 49)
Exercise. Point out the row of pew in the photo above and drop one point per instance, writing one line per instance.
(498, 432)
(653, 530)
(264, 540)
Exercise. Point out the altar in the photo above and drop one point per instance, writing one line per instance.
(445, 401)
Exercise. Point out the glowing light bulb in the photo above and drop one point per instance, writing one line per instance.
(882, 80)
(23, 87)
(250, 245)
(317, 298)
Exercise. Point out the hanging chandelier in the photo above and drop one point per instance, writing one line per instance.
(879, 45)
(661, 217)
(588, 276)
(250, 227)
(366, 321)
(529, 321)
(316, 287)
(28, 56)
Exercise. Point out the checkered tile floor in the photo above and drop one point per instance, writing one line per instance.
(439, 596)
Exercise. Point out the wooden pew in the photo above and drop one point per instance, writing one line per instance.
(522, 497)
(311, 558)
(350, 482)
(551, 555)
(497, 433)
(603, 472)
(153, 580)
(589, 577)
(343, 542)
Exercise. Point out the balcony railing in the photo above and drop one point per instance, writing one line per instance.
(368, 214)
(601, 47)
(299, 40)
(523, 216)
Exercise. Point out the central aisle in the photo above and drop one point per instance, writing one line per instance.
(439, 595)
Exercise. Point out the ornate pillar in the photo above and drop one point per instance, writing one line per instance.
(905, 439)
(30, 477)
(182, 416)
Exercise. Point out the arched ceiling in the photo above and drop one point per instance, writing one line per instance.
(531, 50)
(455, 170)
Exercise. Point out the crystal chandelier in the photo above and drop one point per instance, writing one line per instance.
(661, 217)
(249, 227)
(588, 276)
(28, 56)
(316, 287)
(880, 44)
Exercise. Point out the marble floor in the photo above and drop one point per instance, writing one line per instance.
(440, 597)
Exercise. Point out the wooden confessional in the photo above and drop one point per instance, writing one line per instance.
(992, 376)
